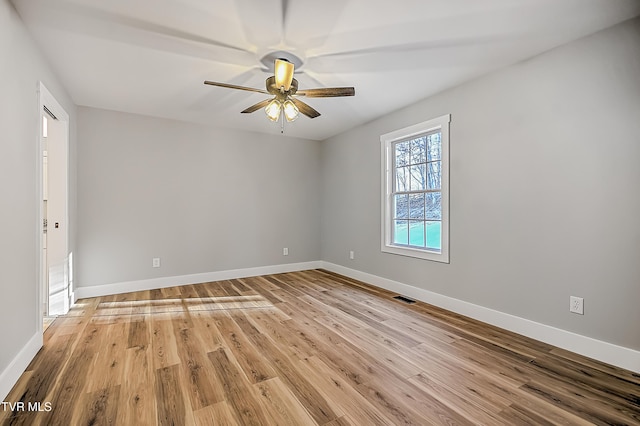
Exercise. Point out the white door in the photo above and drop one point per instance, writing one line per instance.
(56, 214)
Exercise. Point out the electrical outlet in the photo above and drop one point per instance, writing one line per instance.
(576, 305)
(156, 262)
(285, 251)
(352, 255)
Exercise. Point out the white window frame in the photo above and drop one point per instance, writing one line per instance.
(388, 170)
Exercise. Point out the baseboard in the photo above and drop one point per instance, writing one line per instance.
(606, 352)
(153, 283)
(16, 367)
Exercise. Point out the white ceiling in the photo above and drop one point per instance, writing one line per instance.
(151, 56)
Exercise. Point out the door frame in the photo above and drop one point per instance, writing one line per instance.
(46, 99)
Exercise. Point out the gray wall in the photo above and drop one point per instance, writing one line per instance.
(545, 194)
(201, 199)
(21, 67)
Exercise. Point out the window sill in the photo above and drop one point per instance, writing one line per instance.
(433, 255)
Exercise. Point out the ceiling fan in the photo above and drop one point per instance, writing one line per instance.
(284, 88)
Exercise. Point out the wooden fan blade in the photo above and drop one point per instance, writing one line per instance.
(327, 92)
(259, 105)
(233, 86)
(305, 109)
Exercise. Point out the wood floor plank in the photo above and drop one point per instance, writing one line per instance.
(198, 380)
(189, 292)
(251, 362)
(590, 410)
(237, 391)
(113, 342)
(342, 421)
(138, 334)
(341, 394)
(137, 403)
(322, 342)
(170, 293)
(225, 288)
(358, 301)
(278, 281)
(612, 371)
(99, 407)
(240, 287)
(281, 406)
(271, 325)
(598, 384)
(487, 390)
(528, 402)
(511, 343)
(304, 391)
(407, 404)
(387, 351)
(421, 331)
(202, 290)
(486, 360)
(272, 296)
(140, 303)
(171, 406)
(470, 408)
(369, 321)
(259, 283)
(209, 336)
(163, 344)
(219, 414)
(309, 281)
(304, 348)
(516, 415)
(72, 380)
(333, 277)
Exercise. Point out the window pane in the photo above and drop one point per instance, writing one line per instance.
(416, 233)
(402, 179)
(402, 153)
(401, 206)
(418, 150)
(433, 205)
(416, 206)
(418, 177)
(433, 175)
(434, 239)
(400, 232)
(434, 147)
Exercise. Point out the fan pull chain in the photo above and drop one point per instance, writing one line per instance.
(282, 124)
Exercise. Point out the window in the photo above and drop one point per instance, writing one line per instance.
(416, 190)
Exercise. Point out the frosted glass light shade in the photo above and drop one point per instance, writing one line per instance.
(283, 74)
(273, 110)
(290, 110)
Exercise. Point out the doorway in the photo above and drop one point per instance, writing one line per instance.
(56, 289)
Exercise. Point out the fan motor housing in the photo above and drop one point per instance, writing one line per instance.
(271, 87)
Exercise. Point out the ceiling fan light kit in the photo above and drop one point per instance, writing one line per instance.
(284, 87)
(275, 107)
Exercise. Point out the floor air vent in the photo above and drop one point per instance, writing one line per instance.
(404, 299)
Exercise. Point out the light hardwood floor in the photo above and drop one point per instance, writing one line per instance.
(304, 348)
